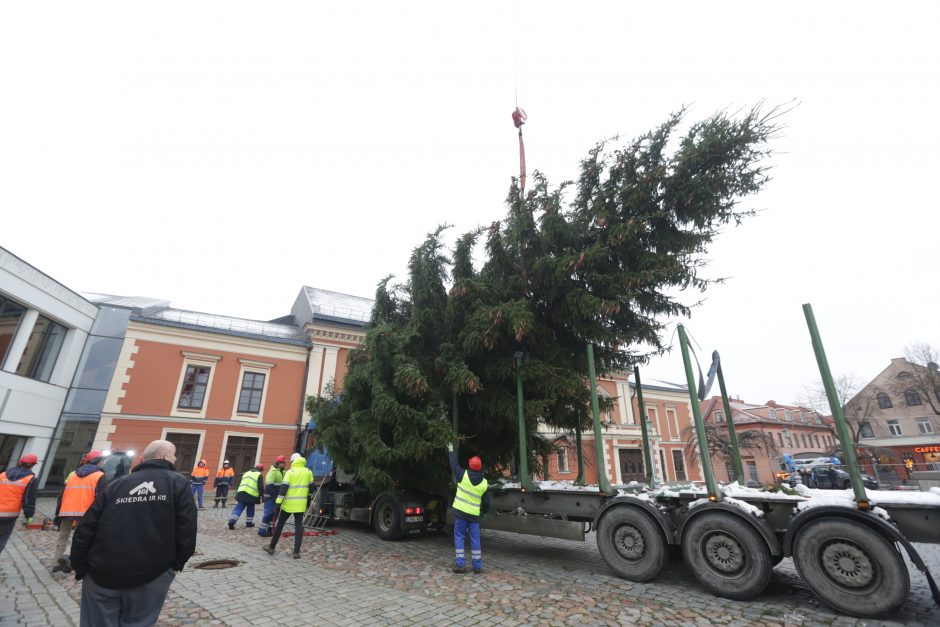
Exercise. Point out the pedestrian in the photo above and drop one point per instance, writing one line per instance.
(81, 489)
(198, 479)
(471, 503)
(272, 487)
(223, 481)
(247, 496)
(292, 500)
(133, 540)
(17, 493)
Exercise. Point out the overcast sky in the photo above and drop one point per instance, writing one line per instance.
(222, 155)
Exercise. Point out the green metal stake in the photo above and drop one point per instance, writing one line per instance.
(602, 483)
(732, 433)
(842, 428)
(524, 479)
(644, 432)
(713, 493)
(577, 432)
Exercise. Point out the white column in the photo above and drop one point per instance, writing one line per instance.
(330, 355)
(626, 404)
(18, 346)
(312, 385)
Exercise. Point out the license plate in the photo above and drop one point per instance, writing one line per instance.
(414, 519)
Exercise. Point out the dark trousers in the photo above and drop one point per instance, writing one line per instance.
(133, 607)
(6, 529)
(298, 528)
(221, 491)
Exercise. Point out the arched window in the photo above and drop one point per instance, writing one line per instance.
(912, 397)
(884, 401)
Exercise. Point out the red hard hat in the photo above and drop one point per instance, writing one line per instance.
(259, 466)
(92, 455)
(29, 459)
(280, 458)
(476, 463)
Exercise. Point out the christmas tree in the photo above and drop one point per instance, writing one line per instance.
(606, 267)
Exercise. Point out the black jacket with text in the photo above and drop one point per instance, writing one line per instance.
(142, 525)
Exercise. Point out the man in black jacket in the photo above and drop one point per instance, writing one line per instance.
(136, 536)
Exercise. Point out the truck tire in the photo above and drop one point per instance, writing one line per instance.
(727, 555)
(631, 543)
(851, 567)
(387, 518)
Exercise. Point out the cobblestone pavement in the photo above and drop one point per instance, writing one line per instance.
(354, 578)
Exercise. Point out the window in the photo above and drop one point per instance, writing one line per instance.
(924, 426)
(195, 382)
(803, 437)
(780, 438)
(816, 439)
(803, 417)
(730, 468)
(679, 464)
(912, 397)
(562, 453)
(788, 416)
(936, 392)
(42, 350)
(719, 416)
(894, 428)
(249, 401)
(884, 401)
(672, 423)
(818, 419)
(866, 431)
(773, 414)
(10, 315)
(752, 470)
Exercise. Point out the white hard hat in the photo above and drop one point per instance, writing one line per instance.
(225, 462)
(295, 456)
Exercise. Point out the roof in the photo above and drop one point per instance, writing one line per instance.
(137, 303)
(664, 386)
(314, 303)
(228, 325)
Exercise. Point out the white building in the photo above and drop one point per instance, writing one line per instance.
(43, 328)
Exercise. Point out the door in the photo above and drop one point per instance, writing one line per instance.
(631, 465)
(241, 453)
(187, 444)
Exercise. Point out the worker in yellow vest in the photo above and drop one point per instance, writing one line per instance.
(17, 493)
(292, 499)
(81, 488)
(470, 506)
(248, 495)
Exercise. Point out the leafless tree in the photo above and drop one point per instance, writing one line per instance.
(719, 442)
(924, 375)
(857, 403)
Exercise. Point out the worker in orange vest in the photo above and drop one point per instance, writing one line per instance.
(223, 481)
(81, 488)
(198, 479)
(17, 492)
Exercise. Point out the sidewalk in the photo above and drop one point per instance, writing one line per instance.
(28, 593)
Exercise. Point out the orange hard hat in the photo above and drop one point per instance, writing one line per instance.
(29, 458)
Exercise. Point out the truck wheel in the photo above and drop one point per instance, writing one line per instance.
(386, 518)
(728, 556)
(631, 544)
(851, 567)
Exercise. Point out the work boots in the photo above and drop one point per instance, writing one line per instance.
(231, 525)
(249, 524)
(64, 565)
(296, 555)
(460, 570)
(216, 504)
(269, 550)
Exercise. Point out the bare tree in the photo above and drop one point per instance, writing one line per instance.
(857, 403)
(924, 375)
(719, 442)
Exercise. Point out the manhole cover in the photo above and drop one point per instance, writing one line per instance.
(216, 564)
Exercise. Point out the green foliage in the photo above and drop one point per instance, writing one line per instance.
(604, 268)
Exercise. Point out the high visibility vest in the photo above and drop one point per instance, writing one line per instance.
(469, 496)
(11, 495)
(275, 477)
(79, 494)
(249, 482)
(200, 471)
(225, 473)
(298, 480)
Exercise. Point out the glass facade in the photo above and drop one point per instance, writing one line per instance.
(42, 349)
(10, 315)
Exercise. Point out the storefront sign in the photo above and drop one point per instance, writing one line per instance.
(927, 449)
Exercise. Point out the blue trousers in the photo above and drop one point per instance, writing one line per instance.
(197, 491)
(266, 518)
(239, 508)
(461, 527)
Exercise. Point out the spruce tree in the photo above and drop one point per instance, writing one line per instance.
(605, 268)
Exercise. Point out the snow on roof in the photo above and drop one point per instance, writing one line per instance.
(130, 302)
(334, 305)
(227, 324)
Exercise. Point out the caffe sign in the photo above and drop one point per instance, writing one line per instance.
(927, 449)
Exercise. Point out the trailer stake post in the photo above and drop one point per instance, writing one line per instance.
(713, 493)
(732, 433)
(644, 432)
(524, 480)
(842, 428)
(602, 483)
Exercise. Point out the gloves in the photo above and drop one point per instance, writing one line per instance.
(450, 447)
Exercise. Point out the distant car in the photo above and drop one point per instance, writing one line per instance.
(830, 478)
(117, 464)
